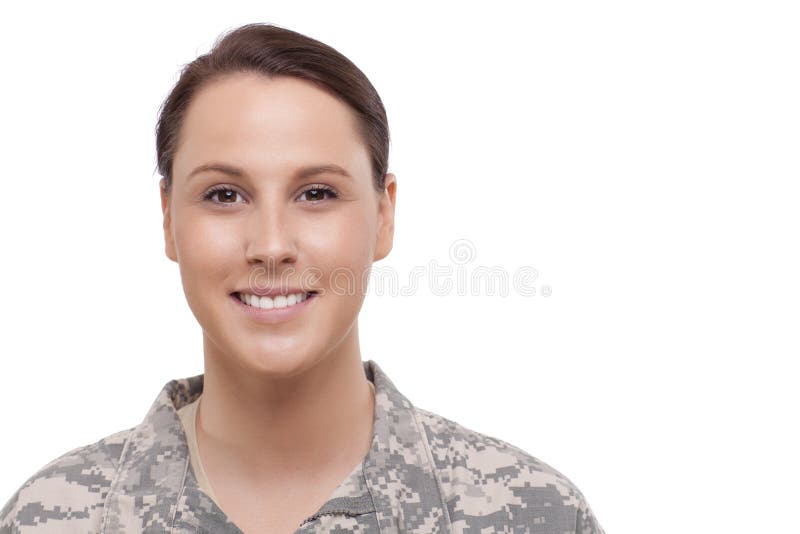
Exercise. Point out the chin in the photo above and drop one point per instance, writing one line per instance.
(274, 360)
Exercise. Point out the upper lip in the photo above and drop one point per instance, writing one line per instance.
(272, 292)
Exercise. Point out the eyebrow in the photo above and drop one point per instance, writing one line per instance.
(302, 172)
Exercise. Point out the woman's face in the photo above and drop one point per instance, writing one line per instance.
(265, 224)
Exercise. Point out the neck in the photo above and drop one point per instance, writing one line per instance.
(264, 426)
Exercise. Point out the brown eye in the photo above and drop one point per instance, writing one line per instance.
(221, 195)
(317, 193)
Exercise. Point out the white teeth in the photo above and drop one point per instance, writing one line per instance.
(267, 303)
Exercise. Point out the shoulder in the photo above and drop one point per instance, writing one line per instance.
(491, 484)
(71, 488)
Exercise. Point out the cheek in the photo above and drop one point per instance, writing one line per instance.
(205, 247)
(343, 250)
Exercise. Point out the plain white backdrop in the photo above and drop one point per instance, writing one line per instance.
(642, 157)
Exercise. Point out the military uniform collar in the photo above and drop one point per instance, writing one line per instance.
(155, 489)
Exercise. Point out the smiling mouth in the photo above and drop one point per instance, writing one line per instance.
(278, 301)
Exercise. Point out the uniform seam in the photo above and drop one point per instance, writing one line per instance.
(114, 483)
(429, 455)
(180, 495)
(115, 462)
(371, 496)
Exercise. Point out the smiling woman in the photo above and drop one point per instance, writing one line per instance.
(276, 200)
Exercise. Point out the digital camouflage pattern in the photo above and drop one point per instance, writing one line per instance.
(423, 474)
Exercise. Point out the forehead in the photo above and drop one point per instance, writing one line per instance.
(268, 125)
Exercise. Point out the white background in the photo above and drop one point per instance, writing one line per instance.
(641, 156)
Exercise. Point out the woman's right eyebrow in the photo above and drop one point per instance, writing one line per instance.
(221, 167)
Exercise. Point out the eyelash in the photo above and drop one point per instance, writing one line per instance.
(315, 187)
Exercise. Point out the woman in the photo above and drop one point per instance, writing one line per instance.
(276, 199)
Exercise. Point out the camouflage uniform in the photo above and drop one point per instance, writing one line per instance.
(423, 474)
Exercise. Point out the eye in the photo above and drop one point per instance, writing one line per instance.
(317, 192)
(223, 193)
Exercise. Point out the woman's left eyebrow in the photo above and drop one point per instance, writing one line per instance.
(330, 168)
(302, 172)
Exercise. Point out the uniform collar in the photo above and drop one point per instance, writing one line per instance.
(155, 488)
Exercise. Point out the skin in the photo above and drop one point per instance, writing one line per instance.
(286, 411)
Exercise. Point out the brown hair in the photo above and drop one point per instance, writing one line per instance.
(274, 51)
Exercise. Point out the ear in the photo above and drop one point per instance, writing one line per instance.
(169, 240)
(385, 235)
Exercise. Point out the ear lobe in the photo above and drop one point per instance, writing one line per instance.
(169, 242)
(386, 209)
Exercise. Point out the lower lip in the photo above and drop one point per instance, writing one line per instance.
(275, 315)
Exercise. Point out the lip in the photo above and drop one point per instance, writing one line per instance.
(275, 315)
(274, 292)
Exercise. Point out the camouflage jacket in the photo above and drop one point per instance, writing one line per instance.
(423, 474)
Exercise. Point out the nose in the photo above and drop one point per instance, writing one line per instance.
(270, 239)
